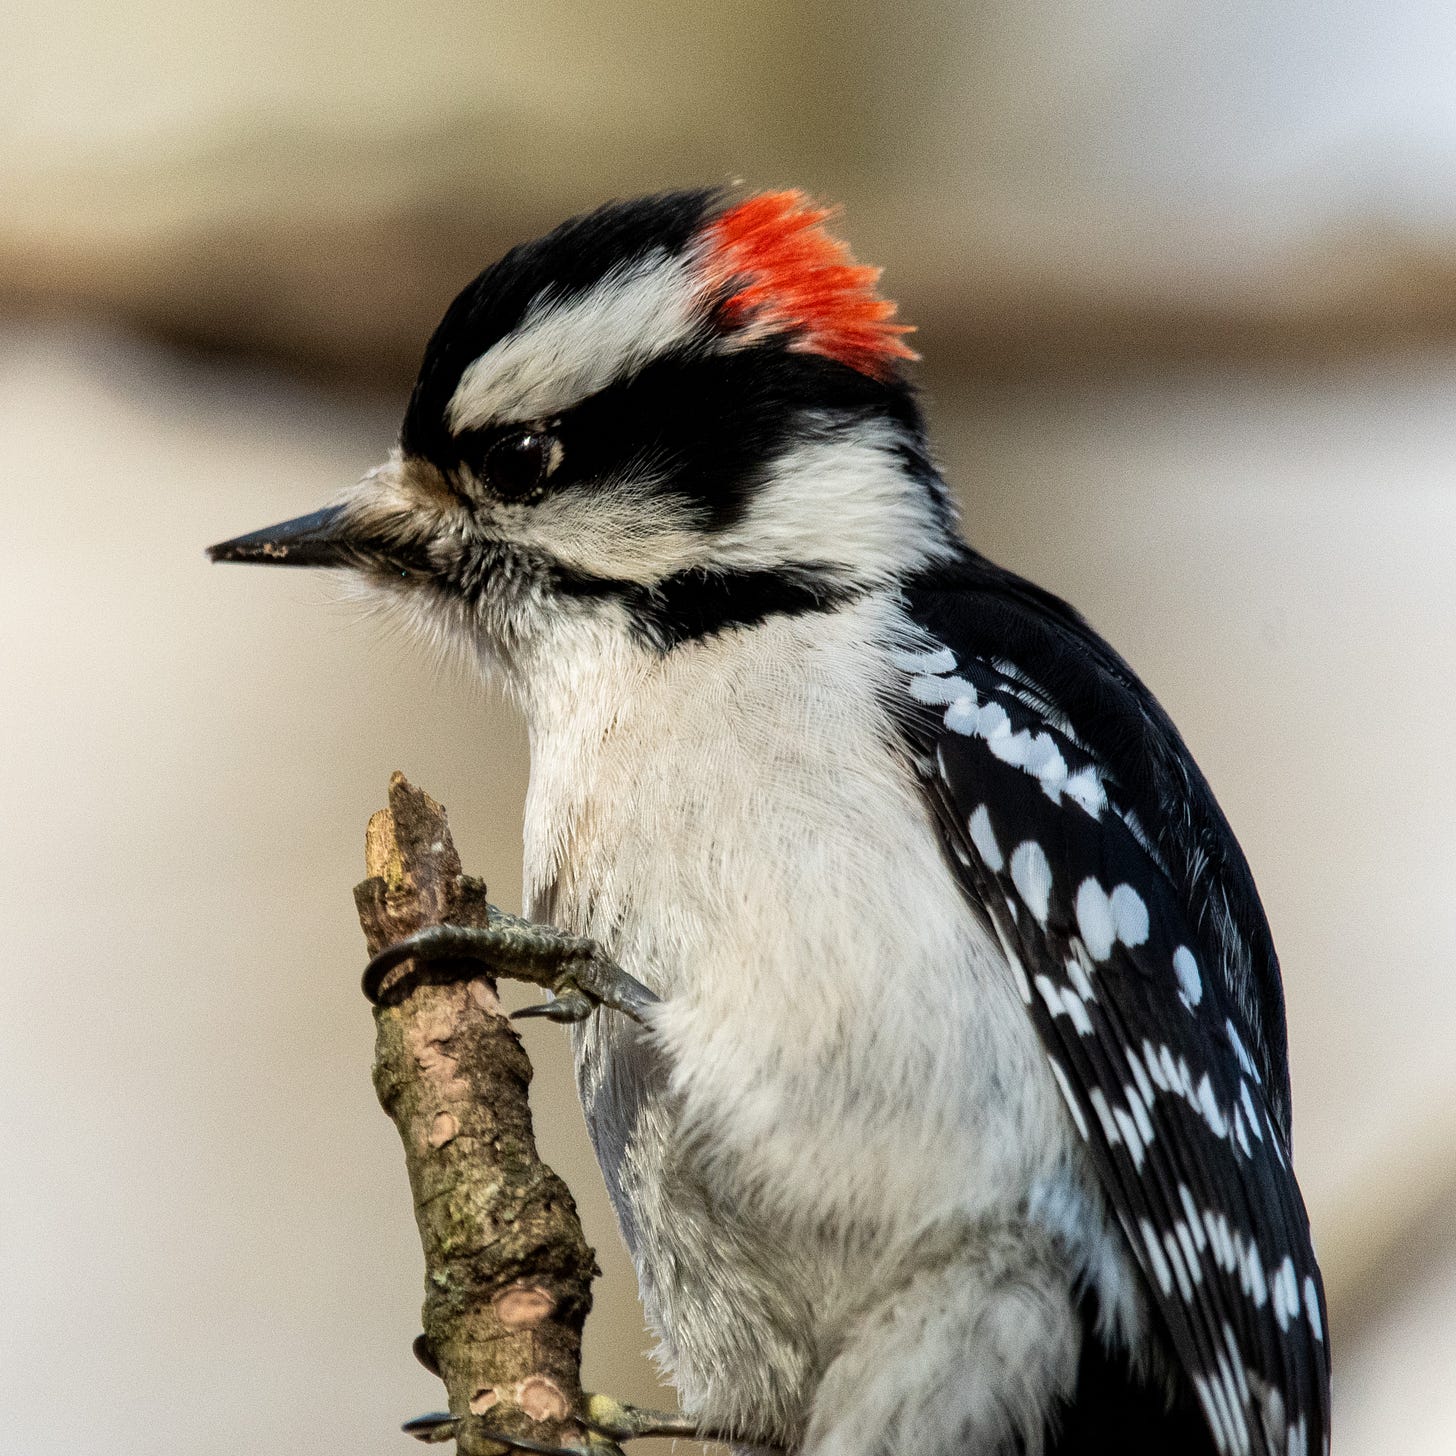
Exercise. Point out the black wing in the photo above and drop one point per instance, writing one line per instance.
(1082, 830)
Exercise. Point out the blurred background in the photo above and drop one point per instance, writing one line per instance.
(1185, 274)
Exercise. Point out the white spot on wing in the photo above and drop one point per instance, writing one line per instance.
(1131, 1135)
(1073, 1106)
(1236, 1359)
(1284, 1289)
(1249, 1109)
(1140, 1076)
(1207, 1104)
(1157, 1257)
(934, 691)
(1094, 919)
(1251, 1273)
(1036, 753)
(1238, 1423)
(936, 661)
(1139, 1113)
(993, 725)
(1195, 1223)
(1312, 1308)
(1190, 1251)
(1172, 1075)
(984, 838)
(1014, 961)
(1098, 1099)
(1241, 1133)
(1221, 1240)
(961, 717)
(1032, 876)
(1190, 983)
(1241, 1051)
(1085, 788)
(1077, 975)
(1065, 1003)
(1154, 1064)
(1103, 919)
(1129, 915)
(1212, 1409)
(1175, 1263)
(1044, 759)
(1299, 1439)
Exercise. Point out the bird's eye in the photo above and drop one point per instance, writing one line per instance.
(518, 463)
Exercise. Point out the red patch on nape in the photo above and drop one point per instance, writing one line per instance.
(789, 275)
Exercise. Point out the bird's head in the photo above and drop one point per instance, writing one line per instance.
(664, 419)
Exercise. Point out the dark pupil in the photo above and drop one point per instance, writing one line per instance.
(516, 464)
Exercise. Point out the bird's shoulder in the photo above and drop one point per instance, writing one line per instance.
(1040, 659)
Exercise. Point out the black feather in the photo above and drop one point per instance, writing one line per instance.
(691, 605)
(1114, 1411)
(1045, 739)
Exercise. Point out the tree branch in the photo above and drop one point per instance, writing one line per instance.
(507, 1270)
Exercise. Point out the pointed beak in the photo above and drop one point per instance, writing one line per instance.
(319, 539)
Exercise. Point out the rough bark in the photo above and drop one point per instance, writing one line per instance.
(507, 1270)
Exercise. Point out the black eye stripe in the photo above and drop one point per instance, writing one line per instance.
(709, 425)
(704, 427)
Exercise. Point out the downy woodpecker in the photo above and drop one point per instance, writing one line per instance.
(962, 1124)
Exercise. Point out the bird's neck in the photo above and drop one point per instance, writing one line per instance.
(644, 762)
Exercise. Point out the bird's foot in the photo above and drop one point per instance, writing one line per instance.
(436, 1426)
(607, 1421)
(617, 1421)
(574, 969)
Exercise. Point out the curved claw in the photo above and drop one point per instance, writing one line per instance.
(572, 967)
(436, 1426)
(610, 985)
(433, 943)
(569, 1005)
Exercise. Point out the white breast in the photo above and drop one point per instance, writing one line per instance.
(735, 822)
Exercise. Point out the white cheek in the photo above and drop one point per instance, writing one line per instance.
(620, 532)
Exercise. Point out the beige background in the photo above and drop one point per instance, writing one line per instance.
(1184, 276)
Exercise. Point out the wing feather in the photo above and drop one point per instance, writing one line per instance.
(1143, 1015)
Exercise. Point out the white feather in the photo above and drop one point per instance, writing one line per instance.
(565, 350)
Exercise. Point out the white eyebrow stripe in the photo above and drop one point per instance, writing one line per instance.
(565, 350)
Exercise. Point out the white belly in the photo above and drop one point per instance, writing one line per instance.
(842, 1064)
